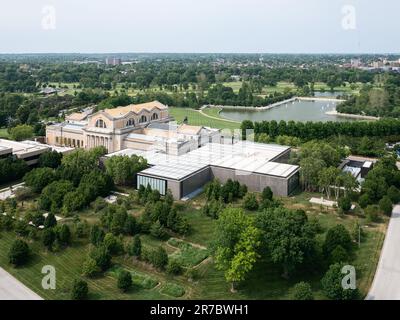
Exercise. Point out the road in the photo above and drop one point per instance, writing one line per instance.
(12, 289)
(386, 284)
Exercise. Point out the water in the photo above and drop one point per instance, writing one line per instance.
(297, 111)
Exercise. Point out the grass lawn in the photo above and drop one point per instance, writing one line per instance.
(264, 283)
(187, 254)
(284, 85)
(197, 119)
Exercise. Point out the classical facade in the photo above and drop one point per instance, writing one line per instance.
(107, 128)
(143, 126)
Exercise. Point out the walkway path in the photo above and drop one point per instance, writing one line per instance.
(216, 118)
(10, 191)
(12, 289)
(386, 284)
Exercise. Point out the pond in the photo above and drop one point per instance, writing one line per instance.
(297, 111)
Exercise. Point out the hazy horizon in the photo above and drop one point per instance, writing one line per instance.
(189, 26)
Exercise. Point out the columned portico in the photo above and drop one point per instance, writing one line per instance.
(93, 141)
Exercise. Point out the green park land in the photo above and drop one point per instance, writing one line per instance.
(193, 251)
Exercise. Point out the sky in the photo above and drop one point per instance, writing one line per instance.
(223, 26)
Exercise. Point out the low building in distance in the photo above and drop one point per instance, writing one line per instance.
(28, 151)
(113, 61)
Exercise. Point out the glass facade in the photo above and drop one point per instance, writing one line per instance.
(293, 183)
(155, 184)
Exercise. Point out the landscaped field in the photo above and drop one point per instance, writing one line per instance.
(196, 118)
(283, 86)
(265, 283)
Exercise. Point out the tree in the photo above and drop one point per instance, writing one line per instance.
(327, 179)
(80, 290)
(302, 291)
(21, 228)
(50, 159)
(22, 194)
(267, 194)
(250, 202)
(338, 255)
(135, 247)
(337, 236)
(235, 246)
(131, 226)
(48, 238)
(344, 204)
(174, 267)
(287, 237)
(64, 235)
(124, 281)
(332, 285)
(123, 169)
(364, 201)
(375, 187)
(310, 171)
(96, 235)
(73, 201)
(37, 219)
(90, 268)
(19, 253)
(102, 257)
(95, 183)
(157, 230)
(12, 169)
(38, 179)
(159, 258)
(385, 204)
(246, 125)
(50, 221)
(245, 256)
(113, 244)
(80, 162)
(53, 195)
(21, 132)
(372, 212)
(394, 194)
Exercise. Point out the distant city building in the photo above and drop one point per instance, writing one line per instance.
(355, 63)
(113, 61)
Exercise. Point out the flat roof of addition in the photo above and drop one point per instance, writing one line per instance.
(52, 147)
(243, 156)
(5, 150)
(173, 170)
(23, 148)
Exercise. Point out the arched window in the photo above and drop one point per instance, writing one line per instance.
(143, 119)
(130, 122)
(100, 124)
(154, 116)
